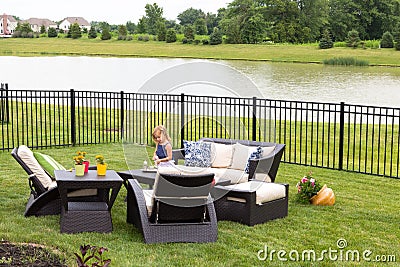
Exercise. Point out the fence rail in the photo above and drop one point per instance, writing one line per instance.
(357, 138)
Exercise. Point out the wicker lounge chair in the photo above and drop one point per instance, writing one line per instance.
(45, 200)
(181, 210)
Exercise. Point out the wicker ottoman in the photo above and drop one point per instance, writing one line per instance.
(251, 203)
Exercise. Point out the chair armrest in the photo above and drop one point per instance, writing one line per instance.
(178, 154)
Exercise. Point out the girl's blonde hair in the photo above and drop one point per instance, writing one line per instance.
(163, 132)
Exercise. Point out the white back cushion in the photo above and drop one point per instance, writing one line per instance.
(221, 155)
(27, 157)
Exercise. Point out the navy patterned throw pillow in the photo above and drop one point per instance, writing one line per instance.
(254, 155)
(197, 154)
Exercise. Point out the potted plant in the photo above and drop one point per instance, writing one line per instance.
(310, 191)
(79, 166)
(101, 165)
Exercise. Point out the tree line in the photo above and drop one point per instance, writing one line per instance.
(278, 21)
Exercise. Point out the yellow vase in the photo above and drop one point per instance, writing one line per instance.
(79, 170)
(324, 197)
(101, 169)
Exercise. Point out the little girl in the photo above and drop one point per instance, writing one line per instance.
(163, 152)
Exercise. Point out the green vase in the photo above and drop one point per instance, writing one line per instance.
(79, 170)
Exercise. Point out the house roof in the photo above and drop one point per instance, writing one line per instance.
(81, 21)
(9, 17)
(39, 22)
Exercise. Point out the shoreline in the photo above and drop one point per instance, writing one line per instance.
(285, 53)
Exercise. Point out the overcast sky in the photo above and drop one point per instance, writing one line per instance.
(114, 11)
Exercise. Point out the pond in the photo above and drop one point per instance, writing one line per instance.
(377, 86)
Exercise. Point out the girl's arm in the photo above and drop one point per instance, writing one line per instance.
(155, 153)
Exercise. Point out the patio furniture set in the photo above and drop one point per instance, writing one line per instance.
(182, 204)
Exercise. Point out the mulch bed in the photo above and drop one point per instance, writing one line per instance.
(31, 255)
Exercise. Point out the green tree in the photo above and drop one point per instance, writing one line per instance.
(75, 31)
(189, 16)
(23, 28)
(314, 15)
(141, 26)
(326, 40)
(52, 32)
(216, 37)
(212, 21)
(188, 32)
(353, 39)
(92, 33)
(131, 27)
(161, 31)
(105, 33)
(387, 40)
(170, 36)
(42, 29)
(122, 31)
(153, 16)
(243, 22)
(200, 26)
(253, 29)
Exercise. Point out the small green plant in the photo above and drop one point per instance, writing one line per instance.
(307, 187)
(100, 159)
(92, 255)
(345, 61)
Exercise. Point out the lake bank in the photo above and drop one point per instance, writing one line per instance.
(309, 53)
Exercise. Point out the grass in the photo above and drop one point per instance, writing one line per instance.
(307, 53)
(365, 215)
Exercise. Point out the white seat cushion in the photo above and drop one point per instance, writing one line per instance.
(27, 157)
(265, 192)
(148, 198)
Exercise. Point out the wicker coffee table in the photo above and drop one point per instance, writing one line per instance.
(87, 216)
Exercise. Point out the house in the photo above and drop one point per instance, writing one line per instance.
(7, 25)
(67, 22)
(36, 24)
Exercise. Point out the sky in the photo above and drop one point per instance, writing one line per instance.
(113, 12)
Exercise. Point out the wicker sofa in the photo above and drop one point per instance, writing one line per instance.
(250, 198)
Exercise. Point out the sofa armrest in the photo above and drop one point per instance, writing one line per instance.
(178, 154)
(268, 165)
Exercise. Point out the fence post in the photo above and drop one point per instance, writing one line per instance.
(122, 115)
(73, 119)
(341, 136)
(254, 119)
(182, 118)
(4, 112)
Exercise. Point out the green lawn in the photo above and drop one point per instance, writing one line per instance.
(365, 215)
(308, 53)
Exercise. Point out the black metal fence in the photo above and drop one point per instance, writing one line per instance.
(340, 136)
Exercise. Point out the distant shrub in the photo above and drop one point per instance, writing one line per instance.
(184, 40)
(170, 36)
(387, 40)
(205, 42)
(340, 44)
(345, 61)
(121, 37)
(373, 44)
(129, 38)
(326, 41)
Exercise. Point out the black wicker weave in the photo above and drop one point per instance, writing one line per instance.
(86, 216)
(240, 206)
(171, 223)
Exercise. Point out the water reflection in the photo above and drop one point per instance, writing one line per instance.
(378, 86)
